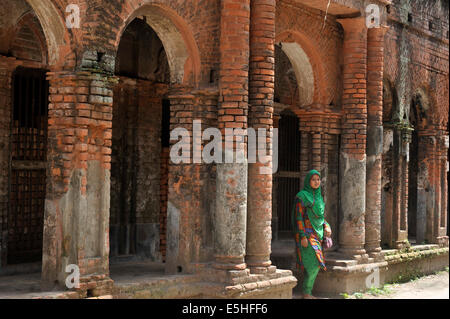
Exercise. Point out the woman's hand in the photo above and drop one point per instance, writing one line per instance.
(304, 242)
(326, 230)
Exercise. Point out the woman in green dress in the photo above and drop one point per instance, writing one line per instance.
(310, 228)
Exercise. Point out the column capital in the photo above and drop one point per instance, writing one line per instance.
(353, 24)
(380, 31)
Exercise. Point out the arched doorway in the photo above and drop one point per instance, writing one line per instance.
(27, 166)
(286, 181)
(24, 110)
(288, 176)
(387, 177)
(417, 183)
(413, 168)
(141, 117)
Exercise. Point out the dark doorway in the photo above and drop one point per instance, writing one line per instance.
(288, 175)
(27, 165)
(141, 119)
(415, 235)
(412, 187)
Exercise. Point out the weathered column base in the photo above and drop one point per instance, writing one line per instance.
(442, 241)
(374, 250)
(273, 283)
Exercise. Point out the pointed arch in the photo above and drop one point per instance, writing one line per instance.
(308, 67)
(176, 36)
(52, 25)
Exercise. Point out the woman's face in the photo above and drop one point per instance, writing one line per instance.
(315, 181)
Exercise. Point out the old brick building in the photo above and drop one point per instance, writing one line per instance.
(86, 113)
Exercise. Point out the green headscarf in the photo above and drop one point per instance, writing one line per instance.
(313, 201)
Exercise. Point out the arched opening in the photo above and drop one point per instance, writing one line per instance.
(181, 51)
(299, 89)
(27, 166)
(413, 168)
(387, 178)
(141, 117)
(417, 212)
(23, 130)
(299, 76)
(288, 175)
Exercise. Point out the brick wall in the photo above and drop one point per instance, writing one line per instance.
(417, 75)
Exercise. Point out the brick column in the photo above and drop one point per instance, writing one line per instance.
(76, 220)
(375, 62)
(182, 196)
(261, 90)
(305, 155)
(353, 147)
(231, 199)
(316, 150)
(401, 140)
(440, 230)
(191, 186)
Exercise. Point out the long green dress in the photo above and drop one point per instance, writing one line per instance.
(310, 225)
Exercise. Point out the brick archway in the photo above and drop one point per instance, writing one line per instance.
(52, 25)
(307, 65)
(176, 36)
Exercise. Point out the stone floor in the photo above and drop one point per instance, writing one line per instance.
(23, 286)
(24, 282)
(17, 284)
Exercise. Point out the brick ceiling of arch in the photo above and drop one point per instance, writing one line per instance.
(303, 71)
(52, 25)
(336, 7)
(170, 36)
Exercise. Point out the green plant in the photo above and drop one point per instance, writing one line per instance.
(358, 295)
(374, 291)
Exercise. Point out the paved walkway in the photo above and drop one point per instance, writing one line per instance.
(428, 287)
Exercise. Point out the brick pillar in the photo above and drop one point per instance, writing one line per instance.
(316, 150)
(353, 147)
(7, 66)
(375, 62)
(76, 219)
(261, 90)
(305, 155)
(231, 198)
(324, 165)
(441, 237)
(401, 138)
(183, 193)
